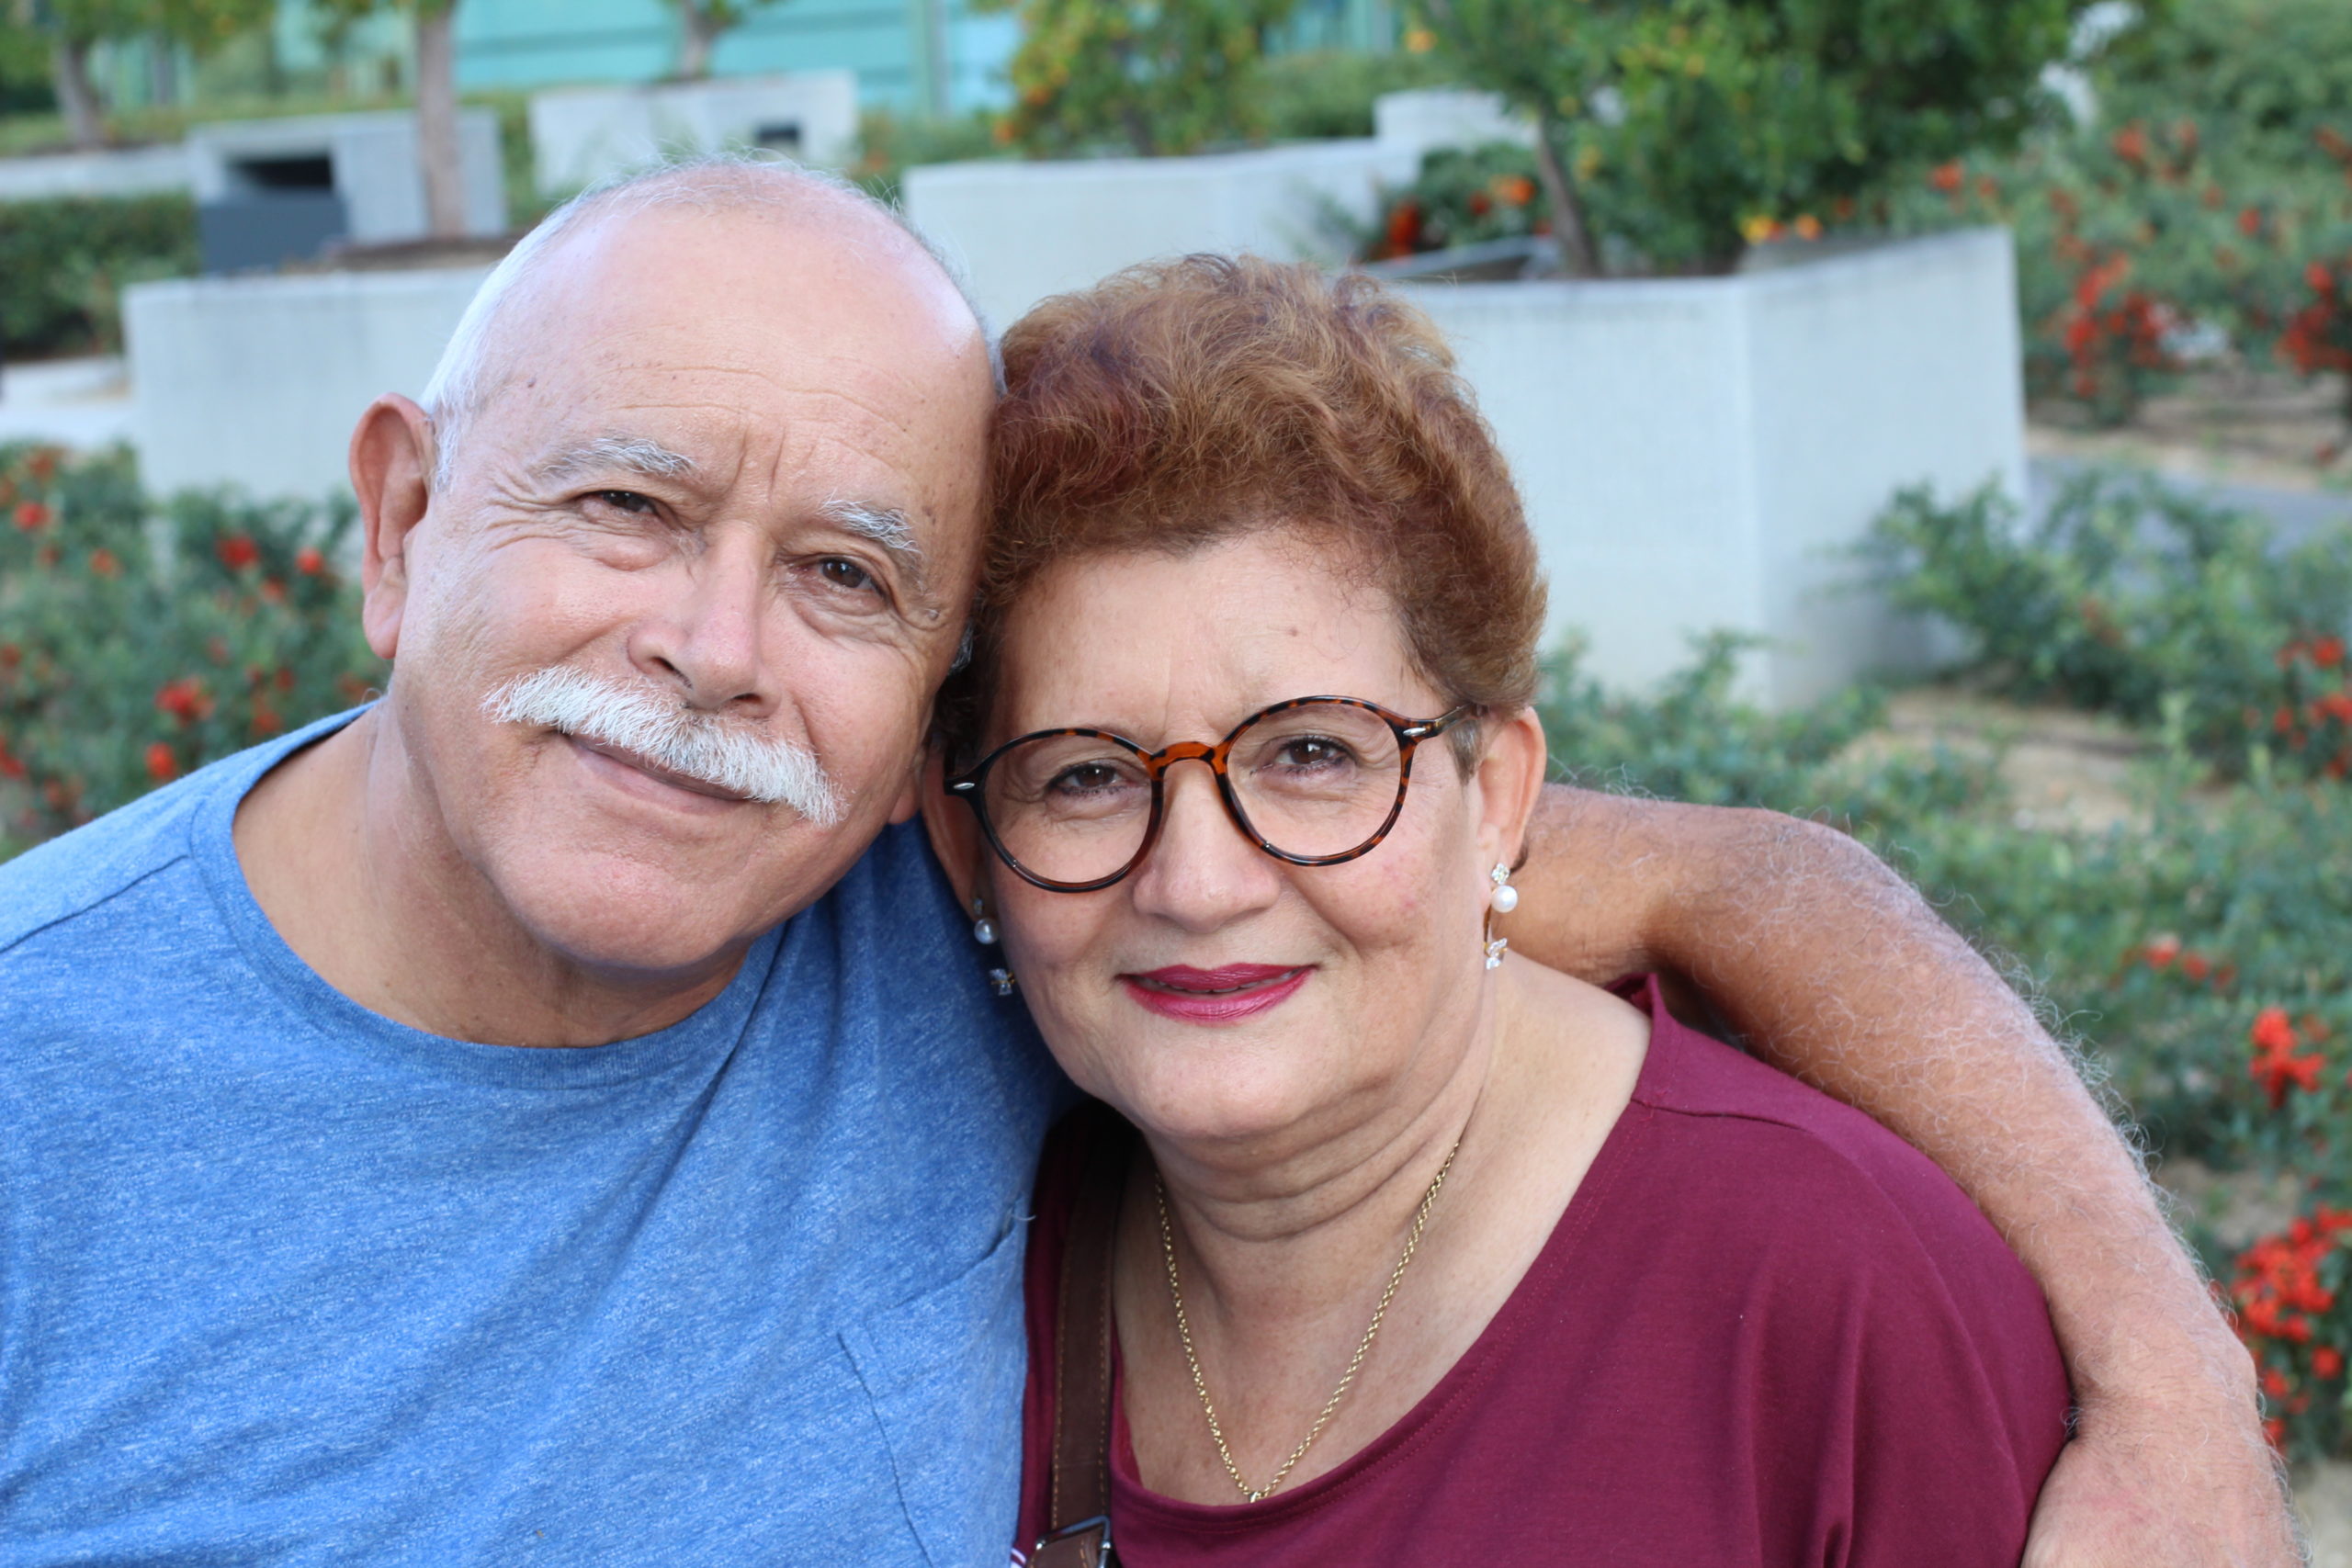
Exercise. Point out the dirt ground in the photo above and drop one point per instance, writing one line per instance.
(2230, 425)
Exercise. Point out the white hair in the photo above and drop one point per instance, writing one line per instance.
(635, 717)
(711, 183)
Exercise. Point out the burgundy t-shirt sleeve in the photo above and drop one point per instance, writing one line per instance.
(1958, 1413)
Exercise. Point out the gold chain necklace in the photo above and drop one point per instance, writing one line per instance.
(1363, 1346)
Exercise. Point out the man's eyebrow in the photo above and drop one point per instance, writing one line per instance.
(886, 525)
(628, 454)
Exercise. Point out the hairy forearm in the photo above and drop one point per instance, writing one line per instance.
(1834, 969)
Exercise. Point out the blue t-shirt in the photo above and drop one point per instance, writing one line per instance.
(283, 1281)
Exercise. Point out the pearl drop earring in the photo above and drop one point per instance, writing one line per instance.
(1505, 897)
(983, 929)
(1501, 899)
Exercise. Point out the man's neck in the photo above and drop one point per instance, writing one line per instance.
(349, 860)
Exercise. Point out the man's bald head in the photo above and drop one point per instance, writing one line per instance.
(494, 335)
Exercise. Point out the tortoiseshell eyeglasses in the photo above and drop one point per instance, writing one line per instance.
(1314, 781)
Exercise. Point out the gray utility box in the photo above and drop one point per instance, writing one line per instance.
(269, 191)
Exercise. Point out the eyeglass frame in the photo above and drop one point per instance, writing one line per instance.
(967, 786)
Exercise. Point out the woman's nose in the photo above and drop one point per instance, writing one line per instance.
(1202, 872)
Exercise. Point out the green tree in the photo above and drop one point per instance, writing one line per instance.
(701, 24)
(437, 101)
(74, 27)
(1160, 76)
(1668, 125)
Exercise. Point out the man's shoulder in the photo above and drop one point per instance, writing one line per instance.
(88, 869)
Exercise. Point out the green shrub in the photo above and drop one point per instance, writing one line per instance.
(2131, 598)
(1316, 93)
(64, 264)
(1679, 126)
(2274, 67)
(140, 642)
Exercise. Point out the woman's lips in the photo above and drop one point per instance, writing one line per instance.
(1216, 996)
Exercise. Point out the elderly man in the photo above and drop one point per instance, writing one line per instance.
(554, 1113)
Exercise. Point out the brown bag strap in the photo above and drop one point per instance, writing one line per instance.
(1080, 1501)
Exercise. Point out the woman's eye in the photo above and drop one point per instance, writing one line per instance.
(847, 574)
(1087, 778)
(1312, 751)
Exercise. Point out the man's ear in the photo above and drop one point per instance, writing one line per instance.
(391, 473)
(1511, 781)
(955, 832)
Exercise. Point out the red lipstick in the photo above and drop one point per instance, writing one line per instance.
(1224, 995)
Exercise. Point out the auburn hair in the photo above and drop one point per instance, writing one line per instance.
(1178, 404)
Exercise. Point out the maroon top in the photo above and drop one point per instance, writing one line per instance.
(1765, 1331)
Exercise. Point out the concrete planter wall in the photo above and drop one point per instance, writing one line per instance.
(582, 135)
(1703, 453)
(257, 381)
(1022, 231)
(135, 171)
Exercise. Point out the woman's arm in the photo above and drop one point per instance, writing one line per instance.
(1835, 969)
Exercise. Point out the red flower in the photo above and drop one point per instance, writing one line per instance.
(2327, 1361)
(2328, 652)
(1404, 227)
(2132, 143)
(309, 562)
(1947, 177)
(185, 699)
(2321, 280)
(2274, 1065)
(103, 562)
(2250, 222)
(2195, 966)
(162, 766)
(2162, 950)
(237, 551)
(32, 516)
(11, 765)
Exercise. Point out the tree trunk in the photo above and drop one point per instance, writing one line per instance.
(437, 120)
(698, 35)
(76, 97)
(1569, 230)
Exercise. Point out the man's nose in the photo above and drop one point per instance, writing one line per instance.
(1202, 872)
(709, 636)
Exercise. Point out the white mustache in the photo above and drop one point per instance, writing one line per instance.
(671, 735)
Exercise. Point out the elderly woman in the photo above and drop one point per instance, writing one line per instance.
(1397, 1250)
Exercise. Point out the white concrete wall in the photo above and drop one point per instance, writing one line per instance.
(137, 171)
(582, 135)
(1022, 230)
(374, 163)
(1702, 452)
(257, 381)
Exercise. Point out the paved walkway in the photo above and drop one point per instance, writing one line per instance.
(73, 402)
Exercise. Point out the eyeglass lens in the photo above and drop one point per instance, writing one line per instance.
(1313, 781)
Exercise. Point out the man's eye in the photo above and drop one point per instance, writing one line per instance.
(847, 574)
(626, 500)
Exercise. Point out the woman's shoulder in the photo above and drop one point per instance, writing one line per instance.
(1825, 1211)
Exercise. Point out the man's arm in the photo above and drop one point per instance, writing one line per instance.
(1835, 970)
